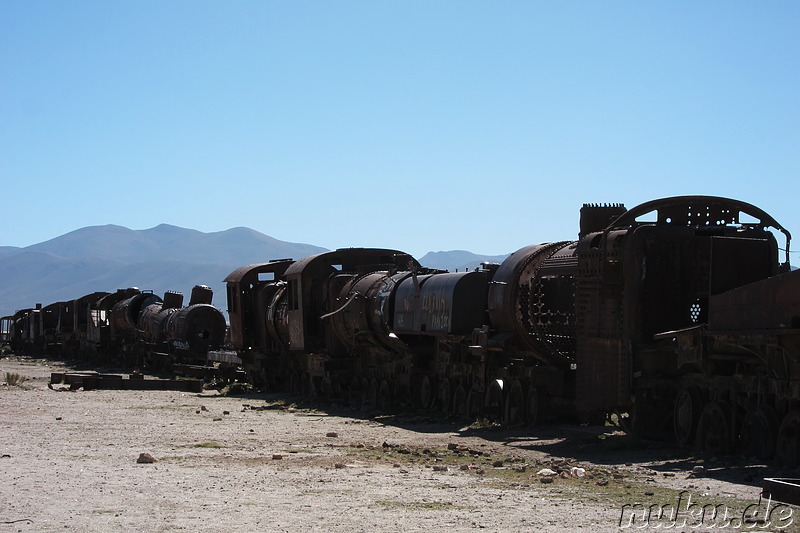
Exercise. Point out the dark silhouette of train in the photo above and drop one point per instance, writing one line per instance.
(678, 316)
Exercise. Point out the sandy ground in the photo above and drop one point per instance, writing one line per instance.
(262, 463)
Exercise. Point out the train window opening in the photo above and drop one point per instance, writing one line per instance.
(293, 299)
(747, 220)
(337, 267)
(266, 276)
(98, 317)
(232, 298)
(647, 218)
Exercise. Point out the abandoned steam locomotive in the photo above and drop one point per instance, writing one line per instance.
(136, 327)
(678, 316)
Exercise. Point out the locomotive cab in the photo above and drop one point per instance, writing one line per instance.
(248, 290)
(315, 282)
(651, 271)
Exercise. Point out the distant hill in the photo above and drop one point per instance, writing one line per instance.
(237, 246)
(458, 260)
(8, 250)
(105, 258)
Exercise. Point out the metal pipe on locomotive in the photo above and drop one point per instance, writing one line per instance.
(647, 315)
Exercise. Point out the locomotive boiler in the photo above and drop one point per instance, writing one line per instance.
(173, 333)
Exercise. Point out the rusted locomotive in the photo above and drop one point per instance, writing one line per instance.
(129, 325)
(176, 334)
(677, 315)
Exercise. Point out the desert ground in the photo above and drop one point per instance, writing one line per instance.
(265, 462)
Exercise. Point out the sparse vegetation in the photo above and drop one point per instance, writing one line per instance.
(483, 423)
(13, 379)
(209, 444)
(237, 389)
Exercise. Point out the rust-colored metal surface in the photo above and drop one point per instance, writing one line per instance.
(771, 303)
(247, 287)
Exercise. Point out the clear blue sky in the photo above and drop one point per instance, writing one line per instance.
(417, 125)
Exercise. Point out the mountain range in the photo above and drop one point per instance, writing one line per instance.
(106, 258)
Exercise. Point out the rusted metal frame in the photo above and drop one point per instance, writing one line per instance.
(628, 219)
(786, 490)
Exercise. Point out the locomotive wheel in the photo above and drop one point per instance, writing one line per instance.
(714, 428)
(648, 419)
(307, 382)
(384, 401)
(329, 389)
(787, 447)
(445, 396)
(534, 404)
(759, 433)
(493, 404)
(370, 393)
(355, 393)
(460, 404)
(295, 386)
(401, 394)
(426, 388)
(686, 414)
(515, 405)
(363, 389)
(474, 401)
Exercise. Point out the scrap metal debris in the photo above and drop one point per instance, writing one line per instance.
(97, 381)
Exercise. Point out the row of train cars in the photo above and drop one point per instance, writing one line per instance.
(680, 316)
